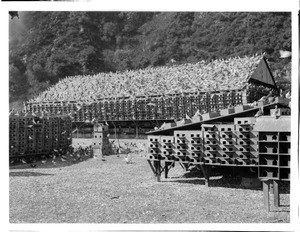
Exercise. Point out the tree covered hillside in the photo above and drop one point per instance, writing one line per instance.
(48, 46)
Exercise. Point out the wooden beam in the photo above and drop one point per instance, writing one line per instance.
(276, 193)
(206, 172)
(151, 166)
(157, 166)
(266, 185)
(166, 169)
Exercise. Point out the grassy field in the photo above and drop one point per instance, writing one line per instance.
(112, 191)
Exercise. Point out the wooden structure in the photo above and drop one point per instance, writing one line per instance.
(238, 139)
(274, 145)
(100, 141)
(33, 135)
(157, 109)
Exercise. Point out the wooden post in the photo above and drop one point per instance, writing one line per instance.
(166, 169)
(157, 170)
(271, 188)
(186, 167)
(116, 136)
(206, 173)
(152, 168)
(136, 132)
(266, 194)
(276, 193)
(208, 170)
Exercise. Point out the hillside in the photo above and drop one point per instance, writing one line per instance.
(46, 47)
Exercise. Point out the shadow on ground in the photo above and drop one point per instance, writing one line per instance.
(215, 181)
(240, 178)
(48, 163)
(26, 173)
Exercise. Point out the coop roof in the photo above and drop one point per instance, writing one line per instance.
(270, 124)
(262, 75)
(226, 118)
(217, 75)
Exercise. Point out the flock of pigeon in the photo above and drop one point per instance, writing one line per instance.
(202, 76)
(79, 153)
(57, 156)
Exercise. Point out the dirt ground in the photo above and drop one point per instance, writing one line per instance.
(112, 191)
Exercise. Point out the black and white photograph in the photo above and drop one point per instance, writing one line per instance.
(135, 117)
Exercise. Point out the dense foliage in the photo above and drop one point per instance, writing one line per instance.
(45, 47)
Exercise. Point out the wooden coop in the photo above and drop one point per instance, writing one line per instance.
(100, 141)
(241, 137)
(274, 153)
(34, 135)
(138, 115)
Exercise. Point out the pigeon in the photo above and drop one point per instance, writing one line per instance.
(197, 113)
(263, 99)
(23, 161)
(53, 162)
(44, 161)
(270, 94)
(281, 93)
(285, 54)
(128, 159)
(33, 165)
(63, 160)
(260, 112)
(162, 126)
(271, 99)
(275, 112)
(288, 95)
